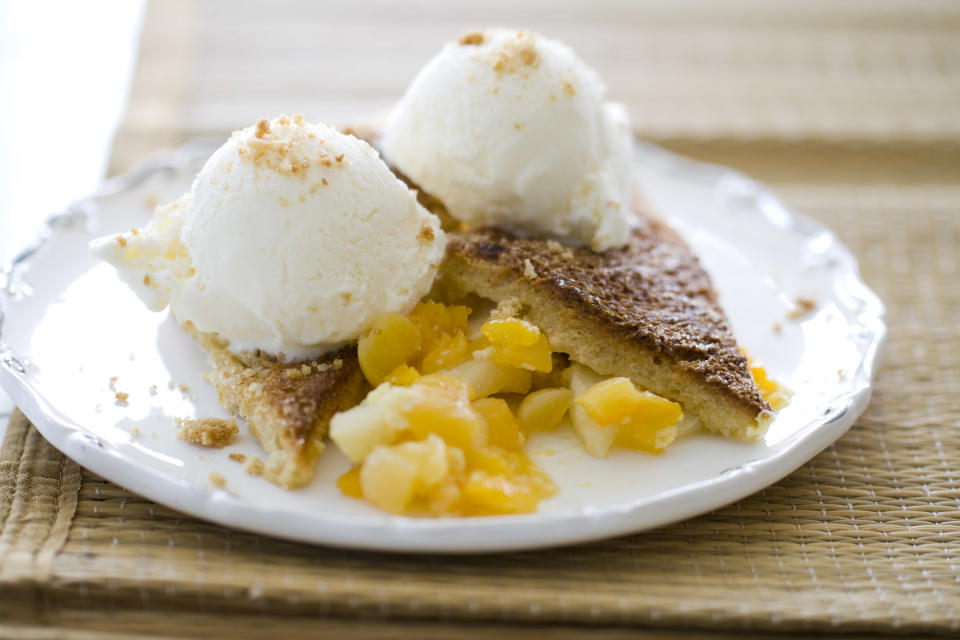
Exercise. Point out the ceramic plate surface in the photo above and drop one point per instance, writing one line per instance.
(68, 326)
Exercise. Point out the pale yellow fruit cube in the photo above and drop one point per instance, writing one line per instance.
(486, 377)
(542, 410)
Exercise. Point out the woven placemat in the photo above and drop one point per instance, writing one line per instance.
(864, 539)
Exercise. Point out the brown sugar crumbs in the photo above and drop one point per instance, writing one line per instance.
(528, 271)
(208, 432)
(802, 306)
(217, 480)
(517, 55)
(254, 467)
(426, 234)
(556, 247)
(277, 148)
(238, 457)
(472, 38)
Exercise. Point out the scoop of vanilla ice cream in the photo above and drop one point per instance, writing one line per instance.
(511, 129)
(292, 240)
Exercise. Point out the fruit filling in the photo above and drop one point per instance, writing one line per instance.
(442, 433)
(773, 392)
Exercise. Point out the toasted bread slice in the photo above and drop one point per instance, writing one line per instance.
(646, 311)
(287, 405)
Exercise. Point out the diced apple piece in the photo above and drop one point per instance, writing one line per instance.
(388, 479)
(447, 351)
(456, 461)
(349, 483)
(502, 428)
(442, 498)
(542, 410)
(773, 392)
(376, 421)
(518, 343)
(392, 476)
(511, 331)
(639, 434)
(484, 493)
(638, 419)
(486, 377)
(392, 341)
(444, 410)
(431, 458)
(596, 439)
(610, 401)
(403, 376)
(533, 358)
(434, 319)
(652, 427)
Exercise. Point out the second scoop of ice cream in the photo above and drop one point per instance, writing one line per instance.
(293, 239)
(510, 129)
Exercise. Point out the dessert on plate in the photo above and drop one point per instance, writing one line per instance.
(292, 241)
(515, 288)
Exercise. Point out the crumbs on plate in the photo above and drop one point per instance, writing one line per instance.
(254, 467)
(208, 432)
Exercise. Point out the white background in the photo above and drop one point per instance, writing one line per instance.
(65, 70)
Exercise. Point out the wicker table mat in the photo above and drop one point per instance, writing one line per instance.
(864, 539)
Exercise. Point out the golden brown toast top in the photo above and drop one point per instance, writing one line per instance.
(296, 396)
(651, 293)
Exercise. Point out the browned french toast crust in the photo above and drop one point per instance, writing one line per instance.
(647, 310)
(287, 405)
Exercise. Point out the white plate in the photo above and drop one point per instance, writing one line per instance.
(69, 325)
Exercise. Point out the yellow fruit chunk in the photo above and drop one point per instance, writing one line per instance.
(391, 476)
(643, 436)
(445, 410)
(403, 376)
(392, 341)
(502, 428)
(377, 420)
(434, 320)
(486, 377)
(488, 494)
(495, 461)
(446, 351)
(518, 343)
(596, 439)
(387, 479)
(772, 392)
(480, 343)
(611, 401)
(511, 331)
(542, 410)
(441, 499)
(613, 411)
(349, 483)
(652, 427)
